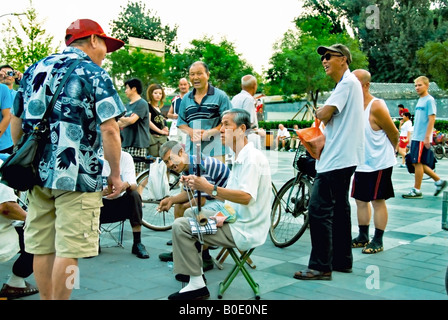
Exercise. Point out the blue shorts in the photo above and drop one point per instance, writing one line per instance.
(419, 154)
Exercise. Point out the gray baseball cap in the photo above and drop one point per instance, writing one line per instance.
(340, 48)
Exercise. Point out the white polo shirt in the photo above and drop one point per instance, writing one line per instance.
(344, 133)
(251, 173)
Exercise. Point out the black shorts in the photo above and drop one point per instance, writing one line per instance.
(377, 185)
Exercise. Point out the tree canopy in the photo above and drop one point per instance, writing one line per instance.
(296, 66)
(24, 46)
(390, 32)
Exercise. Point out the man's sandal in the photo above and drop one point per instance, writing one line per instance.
(310, 274)
(372, 247)
(359, 244)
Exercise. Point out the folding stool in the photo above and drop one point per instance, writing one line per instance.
(107, 228)
(240, 261)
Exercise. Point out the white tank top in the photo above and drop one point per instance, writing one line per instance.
(379, 152)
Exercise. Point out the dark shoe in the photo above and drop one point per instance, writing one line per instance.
(310, 274)
(165, 257)
(343, 270)
(15, 293)
(207, 264)
(199, 294)
(169, 243)
(186, 278)
(372, 248)
(356, 243)
(140, 250)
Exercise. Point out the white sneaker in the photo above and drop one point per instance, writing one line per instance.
(413, 194)
(440, 185)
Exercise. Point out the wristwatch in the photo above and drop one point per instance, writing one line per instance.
(215, 191)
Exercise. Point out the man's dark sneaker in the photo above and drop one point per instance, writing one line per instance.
(140, 250)
(207, 264)
(165, 257)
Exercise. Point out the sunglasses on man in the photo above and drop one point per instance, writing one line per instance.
(328, 56)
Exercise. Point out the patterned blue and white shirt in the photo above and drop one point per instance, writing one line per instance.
(70, 161)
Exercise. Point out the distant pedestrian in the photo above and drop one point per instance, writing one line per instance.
(158, 127)
(406, 129)
(372, 184)
(283, 137)
(135, 124)
(245, 100)
(175, 133)
(329, 207)
(421, 155)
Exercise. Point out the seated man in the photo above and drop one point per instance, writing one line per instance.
(128, 205)
(295, 141)
(248, 191)
(11, 238)
(283, 136)
(216, 172)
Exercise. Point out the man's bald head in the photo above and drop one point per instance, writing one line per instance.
(363, 76)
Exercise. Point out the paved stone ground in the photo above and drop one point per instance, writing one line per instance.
(412, 266)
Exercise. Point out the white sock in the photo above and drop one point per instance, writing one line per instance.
(194, 284)
(16, 282)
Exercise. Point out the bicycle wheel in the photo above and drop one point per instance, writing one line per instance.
(439, 151)
(152, 219)
(289, 216)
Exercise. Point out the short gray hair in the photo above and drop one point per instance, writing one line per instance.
(240, 117)
(168, 146)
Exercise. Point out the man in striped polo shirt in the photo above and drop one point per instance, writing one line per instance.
(216, 172)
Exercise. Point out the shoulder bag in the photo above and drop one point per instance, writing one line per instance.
(313, 139)
(20, 171)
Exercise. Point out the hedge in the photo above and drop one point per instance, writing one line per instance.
(440, 125)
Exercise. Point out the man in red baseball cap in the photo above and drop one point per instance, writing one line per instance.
(83, 28)
(71, 172)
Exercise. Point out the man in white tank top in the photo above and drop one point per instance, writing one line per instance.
(372, 184)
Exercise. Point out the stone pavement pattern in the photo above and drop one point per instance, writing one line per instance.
(412, 266)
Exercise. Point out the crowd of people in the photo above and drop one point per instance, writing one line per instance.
(87, 166)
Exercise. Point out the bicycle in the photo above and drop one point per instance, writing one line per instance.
(153, 219)
(289, 215)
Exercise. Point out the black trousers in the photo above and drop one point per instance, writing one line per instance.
(23, 266)
(330, 221)
(128, 206)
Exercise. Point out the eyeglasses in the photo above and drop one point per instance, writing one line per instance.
(328, 56)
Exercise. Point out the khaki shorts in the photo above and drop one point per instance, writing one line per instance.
(62, 222)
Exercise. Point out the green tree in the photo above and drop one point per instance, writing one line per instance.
(296, 67)
(434, 63)
(136, 21)
(226, 65)
(129, 63)
(25, 46)
(391, 32)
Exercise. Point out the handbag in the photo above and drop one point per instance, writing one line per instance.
(312, 139)
(20, 170)
(158, 186)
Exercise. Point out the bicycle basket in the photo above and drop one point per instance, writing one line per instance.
(305, 163)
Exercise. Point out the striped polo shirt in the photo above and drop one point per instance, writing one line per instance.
(215, 172)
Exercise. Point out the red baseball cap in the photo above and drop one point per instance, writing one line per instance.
(82, 28)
